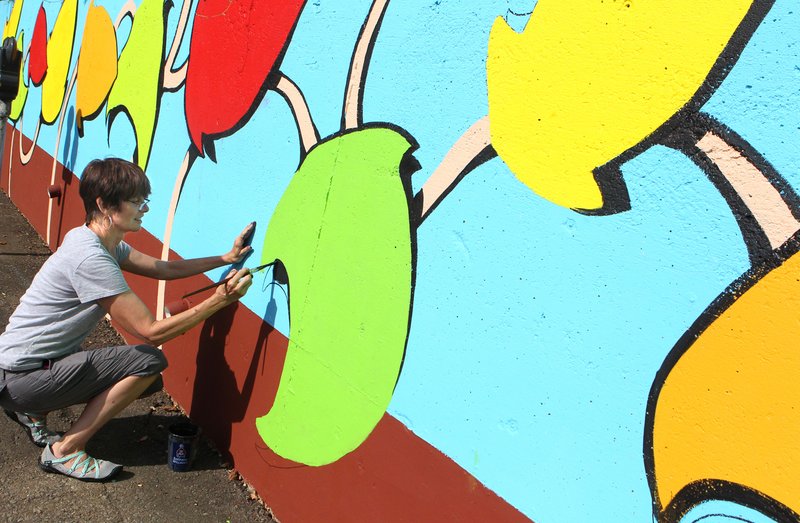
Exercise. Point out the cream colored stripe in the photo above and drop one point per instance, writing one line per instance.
(352, 110)
(302, 115)
(173, 207)
(762, 199)
(467, 147)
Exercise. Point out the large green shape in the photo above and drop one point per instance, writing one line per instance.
(22, 95)
(342, 231)
(136, 90)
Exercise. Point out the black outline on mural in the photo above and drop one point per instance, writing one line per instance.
(509, 11)
(718, 490)
(609, 177)
(409, 165)
(128, 10)
(174, 49)
(207, 140)
(683, 132)
(754, 236)
(113, 112)
(741, 494)
(612, 186)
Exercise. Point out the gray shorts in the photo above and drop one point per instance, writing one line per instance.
(77, 378)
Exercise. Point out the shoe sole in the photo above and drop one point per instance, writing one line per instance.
(13, 417)
(53, 470)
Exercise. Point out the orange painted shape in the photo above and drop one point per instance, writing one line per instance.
(97, 63)
(730, 408)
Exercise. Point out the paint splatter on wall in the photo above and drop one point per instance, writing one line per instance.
(555, 241)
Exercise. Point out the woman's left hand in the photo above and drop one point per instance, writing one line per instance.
(240, 250)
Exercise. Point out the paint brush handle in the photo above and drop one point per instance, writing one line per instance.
(226, 280)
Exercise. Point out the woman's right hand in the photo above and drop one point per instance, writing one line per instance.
(236, 287)
(136, 319)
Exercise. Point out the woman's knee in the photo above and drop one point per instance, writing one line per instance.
(153, 361)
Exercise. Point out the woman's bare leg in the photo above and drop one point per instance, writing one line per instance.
(99, 410)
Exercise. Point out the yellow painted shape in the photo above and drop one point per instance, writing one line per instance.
(730, 408)
(22, 94)
(97, 62)
(12, 24)
(588, 80)
(59, 56)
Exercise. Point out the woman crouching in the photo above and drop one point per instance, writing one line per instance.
(42, 366)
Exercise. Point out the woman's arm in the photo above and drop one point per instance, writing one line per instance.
(136, 319)
(145, 265)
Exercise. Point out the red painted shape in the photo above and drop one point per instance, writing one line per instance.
(225, 374)
(235, 45)
(37, 63)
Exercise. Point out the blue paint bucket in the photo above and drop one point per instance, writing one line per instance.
(182, 446)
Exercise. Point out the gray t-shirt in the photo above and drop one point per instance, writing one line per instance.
(60, 307)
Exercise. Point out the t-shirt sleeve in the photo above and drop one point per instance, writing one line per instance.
(122, 252)
(96, 277)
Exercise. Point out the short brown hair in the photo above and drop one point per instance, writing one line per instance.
(113, 180)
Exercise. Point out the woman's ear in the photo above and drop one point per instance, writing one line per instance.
(101, 205)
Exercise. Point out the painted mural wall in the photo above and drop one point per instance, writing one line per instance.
(534, 260)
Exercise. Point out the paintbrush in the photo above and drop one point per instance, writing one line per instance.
(226, 280)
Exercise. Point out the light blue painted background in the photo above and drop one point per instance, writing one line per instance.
(536, 332)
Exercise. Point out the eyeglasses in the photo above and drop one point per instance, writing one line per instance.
(141, 205)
